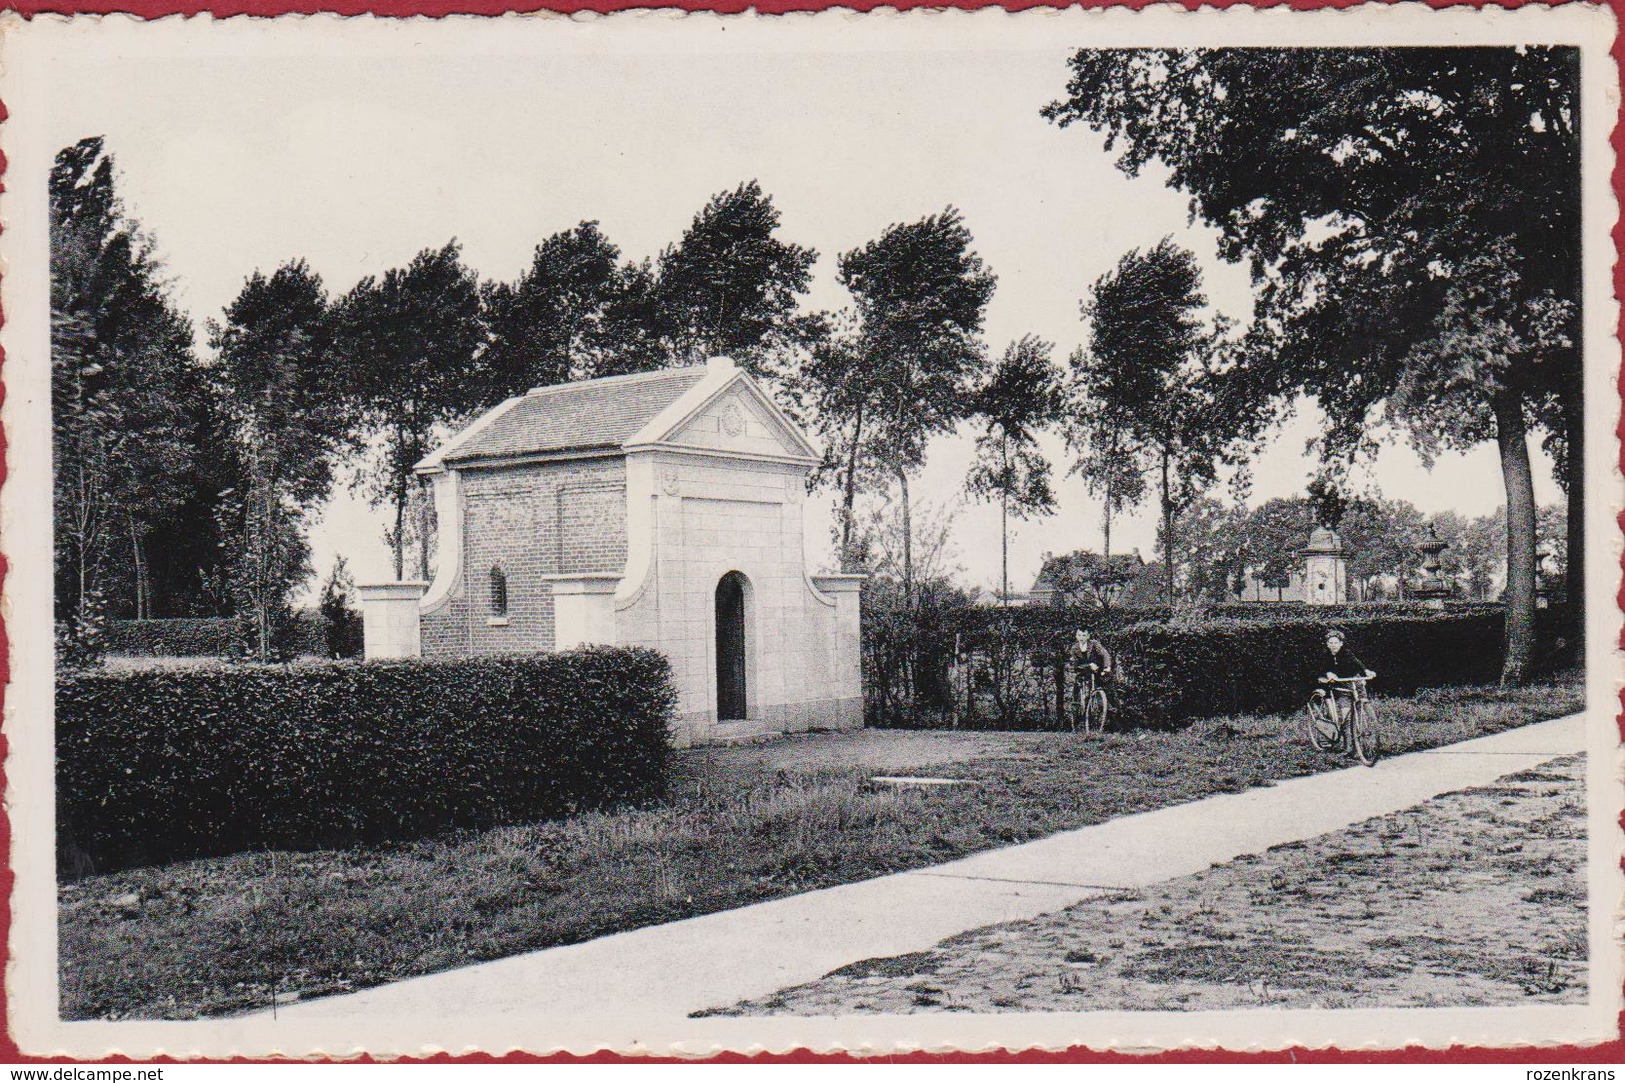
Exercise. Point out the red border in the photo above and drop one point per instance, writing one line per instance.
(152, 9)
(1605, 1053)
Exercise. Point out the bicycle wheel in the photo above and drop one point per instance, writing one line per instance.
(1094, 712)
(1367, 743)
(1318, 725)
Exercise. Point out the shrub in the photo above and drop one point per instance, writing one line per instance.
(987, 667)
(213, 637)
(1175, 673)
(178, 636)
(81, 639)
(156, 765)
(343, 629)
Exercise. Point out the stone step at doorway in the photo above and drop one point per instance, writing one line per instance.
(743, 731)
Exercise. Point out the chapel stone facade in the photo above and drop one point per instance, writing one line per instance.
(661, 509)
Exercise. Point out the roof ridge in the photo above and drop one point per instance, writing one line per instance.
(623, 378)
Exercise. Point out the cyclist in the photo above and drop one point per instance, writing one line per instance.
(1339, 662)
(1089, 656)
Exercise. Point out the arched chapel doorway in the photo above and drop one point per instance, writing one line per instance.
(731, 697)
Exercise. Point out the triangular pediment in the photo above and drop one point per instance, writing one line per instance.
(739, 419)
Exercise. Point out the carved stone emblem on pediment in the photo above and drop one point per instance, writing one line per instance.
(733, 419)
(671, 482)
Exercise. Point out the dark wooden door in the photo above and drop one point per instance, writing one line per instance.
(731, 647)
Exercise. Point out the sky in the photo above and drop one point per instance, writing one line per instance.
(236, 163)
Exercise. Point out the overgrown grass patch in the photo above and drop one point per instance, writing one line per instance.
(742, 825)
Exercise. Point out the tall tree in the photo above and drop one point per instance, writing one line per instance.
(1147, 368)
(1019, 399)
(836, 387)
(1212, 561)
(1107, 455)
(730, 287)
(576, 313)
(1411, 218)
(410, 342)
(1273, 537)
(1480, 554)
(628, 338)
(283, 394)
(1383, 539)
(123, 380)
(1090, 579)
(920, 293)
(1478, 549)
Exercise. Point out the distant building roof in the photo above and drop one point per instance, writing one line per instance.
(588, 414)
(1324, 540)
(1142, 583)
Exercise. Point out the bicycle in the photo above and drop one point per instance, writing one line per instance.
(1091, 716)
(1354, 726)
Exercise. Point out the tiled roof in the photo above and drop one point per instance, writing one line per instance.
(589, 414)
(1143, 586)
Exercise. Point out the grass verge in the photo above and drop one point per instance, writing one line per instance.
(1474, 899)
(743, 825)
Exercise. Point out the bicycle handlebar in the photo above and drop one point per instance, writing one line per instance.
(1346, 680)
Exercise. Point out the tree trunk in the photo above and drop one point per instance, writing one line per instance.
(908, 543)
(1575, 489)
(1004, 524)
(143, 583)
(400, 528)
(1106, 525)
(262, 586)
(1004, 549)
(1167, 530)
(849, 496)
(1510, 437)
(423, 532)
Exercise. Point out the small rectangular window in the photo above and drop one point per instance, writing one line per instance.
(499, 593)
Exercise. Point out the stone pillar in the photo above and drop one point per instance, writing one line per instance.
(1325, 571)
(389, 619)
(847, 679)
(583, 608)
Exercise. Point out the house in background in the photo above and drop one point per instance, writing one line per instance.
(1086, 579)
(662, 509)
(1253, 590)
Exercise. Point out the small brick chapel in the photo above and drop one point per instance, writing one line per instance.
(662, 509)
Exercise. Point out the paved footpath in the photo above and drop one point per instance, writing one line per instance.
(664, 972)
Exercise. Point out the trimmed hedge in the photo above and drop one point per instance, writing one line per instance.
(984, 667)
(1175, 673)
(158, 765)
(1036, 624)
(212, 637)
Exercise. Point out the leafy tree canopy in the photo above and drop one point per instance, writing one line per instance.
(576, 313)
(920, 292)
(275, 375)
(1018, 400)
(288, 407)
(1411, 218)
(729, 286)
(127, 397)
(1377, 195)
(411, 342)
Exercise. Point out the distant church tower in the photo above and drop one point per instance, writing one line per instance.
(1325, 571)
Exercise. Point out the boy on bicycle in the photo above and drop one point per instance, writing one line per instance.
(1339, 662)
(1089, 656)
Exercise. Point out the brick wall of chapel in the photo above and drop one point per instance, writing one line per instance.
(531, 520)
